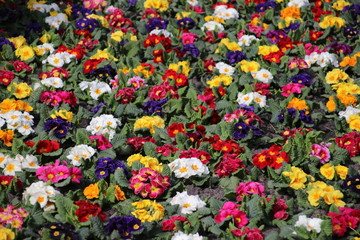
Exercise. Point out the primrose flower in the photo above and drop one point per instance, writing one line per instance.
(148, 211)
(187, 167)
(321, 151)
(249, 188)
(104, 124)
(79, 152)
(297, 177)
(311, 224)
(40, 193)
(150, 123)
(183, 236)
(187, 203)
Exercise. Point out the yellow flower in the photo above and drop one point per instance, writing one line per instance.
(18, 41)
(354, 122)
(328, 171)
(215, 19)
(145, 72)
(335, 76)
(125, 70)
(266, 50)
(134, 158)
(249, 66)
(331, 105)
(339, 5)
(334, 197)
(148, 162)
(162, 5)
(45, 38)
(64, 114)
(346, 99)
(315, 195)
(182, 67)
(68, 9)
(232, 46)
(221, 79)
(290, 12)
(181, 15)
(92, 191)
(103, 54)
(298, 104)
(297, 178)
(21, 90)
(119, 194)
(330, 21)
(6, 234)
(149, 122)
(101, 19)
(118, 35)
(342, 171)
(148, 211)
(25, 52)
(347, 88)
(30, 3)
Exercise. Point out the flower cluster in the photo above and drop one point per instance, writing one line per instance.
(273, 157)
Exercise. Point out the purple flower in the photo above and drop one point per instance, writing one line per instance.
(274, 36)
(58, 125)
(77, 10)
(350, 32)
(106, 166)
(246, 107)
(132, 2)
(87, 23)
(302, 78)
(125, 225)
(235, 57)
(292, 112)
(156, 23)
(4, 41)
(305, 117)
(352, 183)
(103, 73)
(97, 108)
(241, 130)
(340, 48)
(186, 22)
(292, 27)
(262, 7)
(192, 49)
(151, 107)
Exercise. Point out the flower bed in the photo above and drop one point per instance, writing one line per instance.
(182, 119)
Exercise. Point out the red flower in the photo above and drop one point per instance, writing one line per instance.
(175, 128)
(91, 64)
(262, 160)
(166, 149)
(209, 64)
(229, 164)
(19, 65)
(274, 57)
(250, 234)
(60, 72)
(314, 35)
(5, 180)
(6, 77)
(137, 142)
(125, 95)
(46, 146)
(87, 209)
(102, 142)
(169, 224)
(200, 154)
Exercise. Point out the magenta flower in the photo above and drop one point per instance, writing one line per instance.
(249, 188)
(291, 88)
(321, 151)
(102, 142)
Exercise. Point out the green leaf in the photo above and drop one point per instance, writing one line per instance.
(149, 149)
(65, 207)
(107, 153)
(273, 235)
(55, 153)
(120, 178)
(63, 183)
(110, 193)
(97, 227)
(82, 136)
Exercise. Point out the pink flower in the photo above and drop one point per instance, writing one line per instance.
(240, 34)
(136, 81)
(197, 9)
(102, 142)
(249, 188)
(188, 38)
(75, 174)
(94, 4)
(251, 234)
(256, 29)
(291, 88)
(321, 151)
(166, 149)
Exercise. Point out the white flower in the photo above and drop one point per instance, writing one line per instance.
(225, 68)
(260, 99)
(55, 60)
(103, 124)
(187, 203)
(182, 236)
(25, 129)
(160, 32)
(325, 58)
(312, 58)
(38, 192)
(309, 223)
(47, 47)
(55, 21)
(55, 82)
(96, 88)
(211, 26)
(225, 13)
(245, 98)
(298, 3)
(44, 8)
(4, 159)
(187, 167)
(30, 161)
(11, 167)
(246, 40)
(348, 112)
(2, 122)
(13, 118)
(262, 75)
(192, 2)
(79, 152)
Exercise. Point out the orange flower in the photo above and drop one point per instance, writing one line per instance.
(7, 137)
(92, 191)
(346, 99)
(291, 12)
(298, 104)
(119, 194)
(331, 105)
